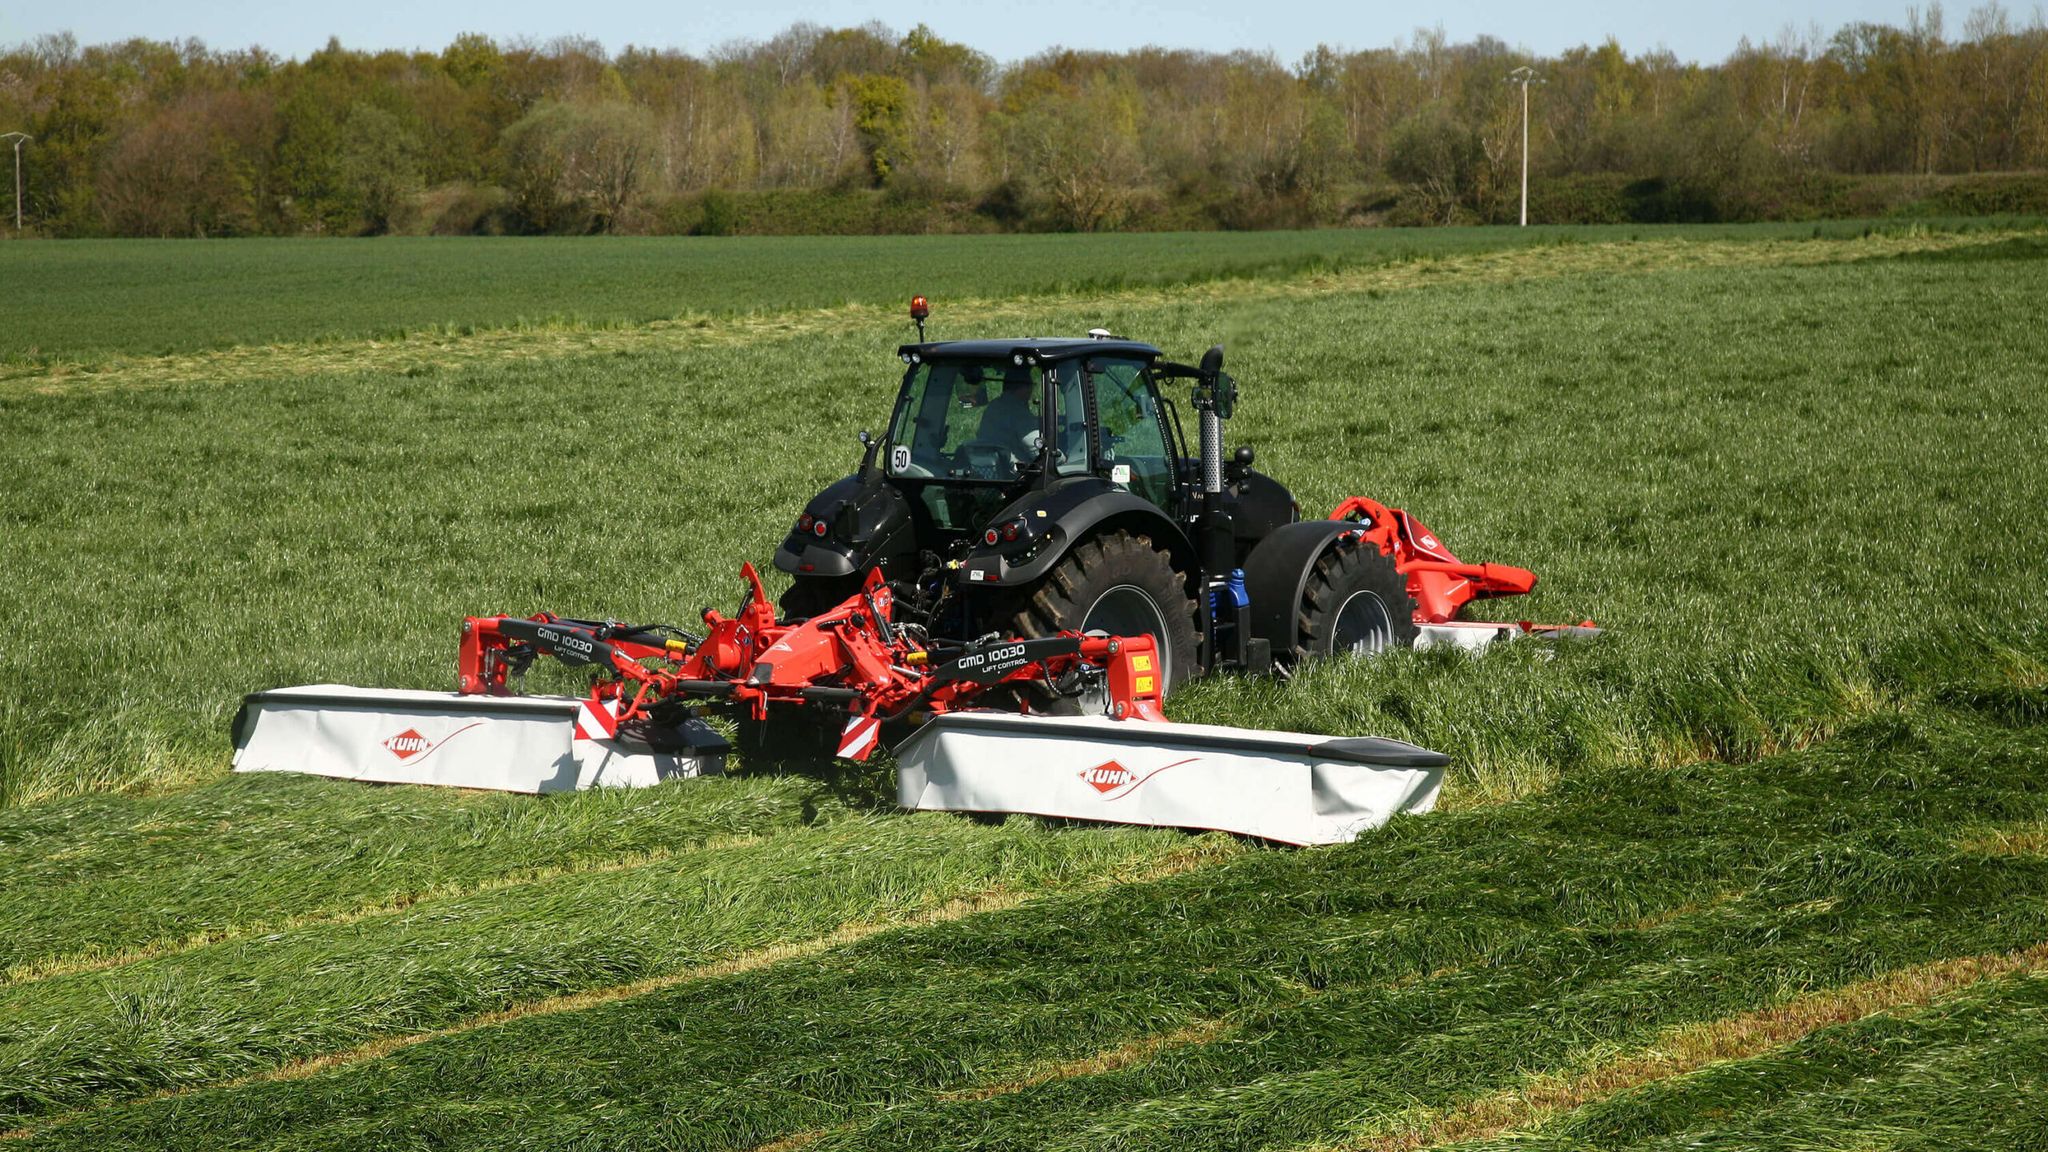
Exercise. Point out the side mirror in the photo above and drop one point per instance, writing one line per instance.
(867, 457)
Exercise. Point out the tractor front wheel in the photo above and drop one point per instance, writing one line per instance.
(1120, 584)
(1355, 603)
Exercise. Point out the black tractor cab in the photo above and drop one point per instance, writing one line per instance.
(1006, 460)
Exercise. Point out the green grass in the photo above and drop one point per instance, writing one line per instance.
(255, 1001)
(249, 854)
(1430, 964)
(1797, 483)
(1788, 492)
(87, 299)
(1965, 1074)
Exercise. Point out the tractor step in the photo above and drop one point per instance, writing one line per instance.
(504, 743)
(1283, 786)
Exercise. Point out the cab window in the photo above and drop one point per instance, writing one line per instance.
(1070, 421)
(1128, 431)
(968, 420)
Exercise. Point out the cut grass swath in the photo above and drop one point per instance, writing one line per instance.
(1964, 1073)
(1686, 1049)
(107, 878)
(232, 1009)
(1431, 963)
(442, 350)
(1845, 889)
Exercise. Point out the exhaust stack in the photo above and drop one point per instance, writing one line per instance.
(1214, 397)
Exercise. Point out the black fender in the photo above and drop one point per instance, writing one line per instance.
(1263, 507)
(1276, 574)
(867, 523)
(1062, 516)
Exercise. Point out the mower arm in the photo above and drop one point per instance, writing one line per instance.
(852, 661)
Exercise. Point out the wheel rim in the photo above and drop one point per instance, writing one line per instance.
(1363, 626)
(1128, 610)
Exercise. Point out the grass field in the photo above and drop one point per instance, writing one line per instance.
(1767, 867)
(184, 297)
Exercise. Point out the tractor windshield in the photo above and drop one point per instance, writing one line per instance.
(966, 420)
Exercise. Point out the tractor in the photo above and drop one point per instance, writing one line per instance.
(1030, 486)
(1021, 568)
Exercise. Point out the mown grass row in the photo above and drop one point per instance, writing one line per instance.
(1967, 1073)
(97, 877)
(1433, 963)
(253, 1004)
(1772, 484)
(87, 300)
(1814, 888)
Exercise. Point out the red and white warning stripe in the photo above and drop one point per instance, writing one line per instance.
(597, 720)
(859, 737)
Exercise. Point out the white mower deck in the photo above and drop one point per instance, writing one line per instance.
(1284, 786)
(505, 743)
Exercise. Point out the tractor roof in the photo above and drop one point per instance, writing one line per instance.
(1045, 348)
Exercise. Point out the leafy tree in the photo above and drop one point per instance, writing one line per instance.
(473, 60)
(379, 166)
(937, 61)
(1440, 155)
(172, 138)
(578, 166)
(80, 112)
(1083, 151)
(198, 168)
(881, 114)
(945, 124)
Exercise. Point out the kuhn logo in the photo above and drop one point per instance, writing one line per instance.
(408, 744)
(1114, 781)
(1107, 777)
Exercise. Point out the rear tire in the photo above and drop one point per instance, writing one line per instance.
(1355, 604)
(1122, 585)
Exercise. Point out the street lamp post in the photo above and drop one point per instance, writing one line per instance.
(19, 139)
(1525, 76)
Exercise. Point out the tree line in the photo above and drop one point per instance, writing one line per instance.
(863, 129)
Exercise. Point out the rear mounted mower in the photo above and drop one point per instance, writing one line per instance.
(1018, 573)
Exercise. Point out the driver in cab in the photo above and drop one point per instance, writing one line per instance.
(1011, 419)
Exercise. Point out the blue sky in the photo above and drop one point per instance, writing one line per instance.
(1007, 31)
